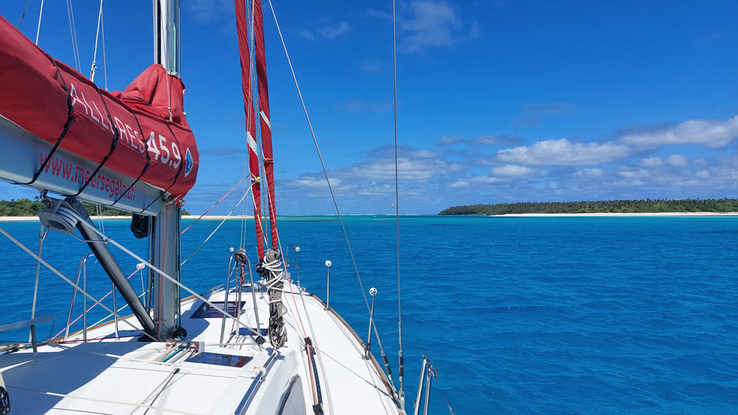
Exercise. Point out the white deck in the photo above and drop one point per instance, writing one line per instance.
(123, 376)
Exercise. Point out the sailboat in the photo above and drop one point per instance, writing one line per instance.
(258, 344)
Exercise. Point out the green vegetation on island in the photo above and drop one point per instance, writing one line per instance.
(608, 206)
(27, 207)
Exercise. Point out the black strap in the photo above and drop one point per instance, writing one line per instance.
(116, 136)
(148, 158)
(67, 124)
(179, 170)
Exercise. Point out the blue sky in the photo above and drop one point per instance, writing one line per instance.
(499, 101)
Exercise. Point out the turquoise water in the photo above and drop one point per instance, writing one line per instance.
(605, 315)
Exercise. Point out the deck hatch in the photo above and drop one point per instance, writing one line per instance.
(220, 359)
(207, 311)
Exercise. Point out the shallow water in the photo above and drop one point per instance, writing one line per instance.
(614, 315)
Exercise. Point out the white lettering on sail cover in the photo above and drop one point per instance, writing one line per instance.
(163, 147)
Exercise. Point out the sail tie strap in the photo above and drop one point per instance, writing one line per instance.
(113, 144)
(179, 170)
(148, 158)
(67, 124)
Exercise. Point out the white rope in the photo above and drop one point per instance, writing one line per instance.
(105, 60)
(40, 14)
(97, 37)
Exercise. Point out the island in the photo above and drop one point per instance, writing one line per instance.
(607, 206)
(27, 207)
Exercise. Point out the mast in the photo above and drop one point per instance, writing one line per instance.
(164, 242)
(248, 102)
(266, 126)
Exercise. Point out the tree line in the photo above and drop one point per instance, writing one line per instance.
(27, 207)
(605, 206)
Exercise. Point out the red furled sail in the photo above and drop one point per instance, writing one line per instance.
(140, 132)
(243, 45)
(266, 127)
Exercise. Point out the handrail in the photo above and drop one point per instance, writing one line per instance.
(29, 323)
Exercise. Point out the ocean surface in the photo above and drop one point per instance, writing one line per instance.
(573, 315)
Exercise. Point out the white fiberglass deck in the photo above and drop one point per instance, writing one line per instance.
(124, 376)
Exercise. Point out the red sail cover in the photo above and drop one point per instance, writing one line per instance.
(266, 126)
(36, 92)
(248, 103)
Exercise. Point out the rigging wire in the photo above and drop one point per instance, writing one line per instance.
(73, 33)
(24, 14)
(215, 230)
(216, 204)
(438, 386)
(397, 206)
(320, 156)
(95, 305)
(70, 282)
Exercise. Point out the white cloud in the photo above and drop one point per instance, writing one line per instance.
(379, 14)
(510, 170)
(424, 154)
(498, 140)
(308, 182)
(563, 152)
(640, 173)
(317, 183)
(306, 34)
(208, 11)
(370, 65)
(449, 141)
(652, 162)
(589, 173)
(408, 169)
(431, 24)
(486, 139)
(333, 31)
(486, 179)
(475, 32)
(676, 160)
(710, 133)
(459, 183)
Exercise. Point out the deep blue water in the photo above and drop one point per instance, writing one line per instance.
(605, 315)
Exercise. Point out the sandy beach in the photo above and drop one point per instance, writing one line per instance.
(620, 214)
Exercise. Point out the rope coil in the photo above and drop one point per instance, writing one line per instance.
(270, 269)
